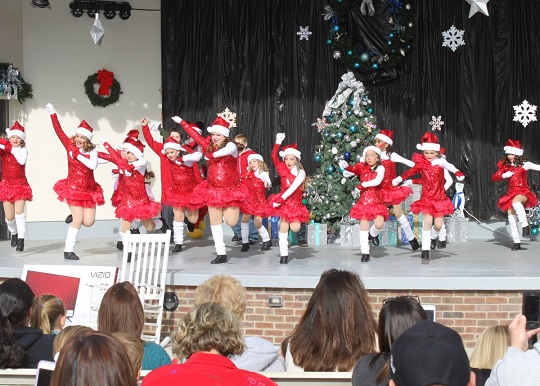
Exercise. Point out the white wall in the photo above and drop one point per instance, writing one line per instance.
(58, 55)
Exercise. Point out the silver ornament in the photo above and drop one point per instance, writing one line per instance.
(407, 6)
(353, 144)
(410, 25)
(337, 55)
(347, 138)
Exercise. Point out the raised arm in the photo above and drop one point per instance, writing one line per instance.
(201, 141)
(275, 150)
(154, 145)
(530, 166)
(57, 128)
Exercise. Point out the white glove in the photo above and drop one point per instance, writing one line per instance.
(343, 164)
(348, 174)
(407, 183)
(102, 140)
(276, 204)
(279, 138)
(50, 109)
(507, 174)
(154, 125)
(71, 154)
(396, 181)
(177, 119)
(356, 193)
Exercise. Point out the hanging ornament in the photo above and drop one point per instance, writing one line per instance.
(478, 6)
(534, 231)
(317, 158)
(347, 156)
(97, 32)
(353, 144)
(337, 55)
(331, 169)
(334, 150)
(343, 181)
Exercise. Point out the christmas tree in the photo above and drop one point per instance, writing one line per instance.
(346, 127)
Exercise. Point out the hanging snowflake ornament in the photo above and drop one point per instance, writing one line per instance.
(453, 38)
(436, 123)
(304, 33)
(478, 6)
(321, 124)
(328, 13)
(525, 113)
(229, 116)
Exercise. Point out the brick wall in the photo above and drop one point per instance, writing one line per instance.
(467, 312)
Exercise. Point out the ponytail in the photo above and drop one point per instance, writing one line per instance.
(47, 313)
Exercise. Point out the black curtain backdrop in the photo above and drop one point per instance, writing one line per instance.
(246, 55)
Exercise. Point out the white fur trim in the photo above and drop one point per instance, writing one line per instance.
(170, 145)
(18, 133)
(385, 138)
(290, 151)
(374, 148)
(428, 146)
(85, 132)
(219, 129)
(132, 149)
(513, 150)
(255, 156)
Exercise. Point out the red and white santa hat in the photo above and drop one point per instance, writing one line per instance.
(17, 130)
(133, 133)
(386, 136)
(220, 126)
(513, 146)
(291, 149)
(85, 129)
(256, 156)
(374, 148)
(134, 146)
(429, 142)
(172, 143)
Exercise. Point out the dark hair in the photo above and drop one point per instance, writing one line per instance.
(518, 160)
(389, 149)
(16, 300)
(121, 310)
(337, 327)
(211, 147)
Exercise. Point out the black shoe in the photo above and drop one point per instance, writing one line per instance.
(414, 244)
(120, 245)
(20, 245)
(135, 231)
(425, 255)
(526, 231)
(517, 247)
(266, 245)
(302, 243)
(190, 226)
(177, 248)
(374, 239)
(236, 238)
(284, 260)
(14, 240)
(433, 244)
(69, 219)
(219, 259)
(70, 256)
(365, 257)
(245, 247)
(129, 257)
(441, 244)
(252, 242)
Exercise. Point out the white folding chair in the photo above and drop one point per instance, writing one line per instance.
(147, 271)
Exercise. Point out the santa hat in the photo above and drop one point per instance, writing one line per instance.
(134, 146)
(374, 148)
(386, 136)
(220, 126)
(85, 129)
(513, 146)
(132, 134)
(291, 149)
(17, 130)
(256, 156)
(429, 142)
(172, 143)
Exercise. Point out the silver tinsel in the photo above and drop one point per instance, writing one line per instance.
(348, 88)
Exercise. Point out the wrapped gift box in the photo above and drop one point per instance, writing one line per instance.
(416, 222)
(417, 191)
(317, 234)
(273, 227)
(350, 235)
(292, 238)
(389, 233)
(457, 229)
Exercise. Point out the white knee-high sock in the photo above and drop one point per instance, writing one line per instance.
(520, 212)
(20, 220)
(434, 233)
(136, 224)
(426, 240)
(364, 242)
(374, 232)
(514, 231)
(244, 231)
(406, 227)
(158, 224)
(12, 226)
(219, 242)
(71, 239)
(442, 233)
(283, 244)
(263, 232)
(127, 247)
(178, 228)
(120, 231)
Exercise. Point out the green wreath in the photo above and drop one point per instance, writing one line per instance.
(356, 55)
(95, 98)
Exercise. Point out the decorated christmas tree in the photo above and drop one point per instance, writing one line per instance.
(347, 126)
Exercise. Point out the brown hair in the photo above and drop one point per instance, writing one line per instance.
(337, 327)
(518, 160)
(134, 349)
(121, 310)
(211, 147)
(66, 334)
(47, 312)
(224, 290)
(87, 146)
(23, 143)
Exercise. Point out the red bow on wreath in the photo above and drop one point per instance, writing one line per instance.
(105, 79)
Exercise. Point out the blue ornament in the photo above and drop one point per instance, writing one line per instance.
(317, 158)
(329, 42)
(389, 42)
(535, 224)
(409, 47)
(329, 118)
(370, 110)
(339, 135)
(326, 134)
(534, 231)
(331, 169)
(341, 170)
(357, 65)
(349, 112)
(364, 57)
(349, 53)
(336, 28)
(353, 128)
(391, 35)
(393, 50)
(375, 66)
(347, 156)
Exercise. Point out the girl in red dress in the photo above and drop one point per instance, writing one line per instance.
(370, 206)
(519, 196)
(222, 192)
(257, 180)
(79, 190)
(433, 202)
(14, 188)
(288, 204)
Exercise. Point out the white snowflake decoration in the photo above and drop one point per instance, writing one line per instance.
(453, 38)
(229, 116)
(304, 33)
(436, 123)
(525, 113)
(328, 13)
(321, 124)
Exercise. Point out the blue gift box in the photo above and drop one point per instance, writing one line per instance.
(389, 233)
(317, 234)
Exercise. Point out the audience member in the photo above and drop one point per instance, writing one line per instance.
(337, 328)
(429, 353)
(49, 314)
(65, 335)
(134, 349)
(396, 316)
(93, 359)
(260, 354)
(121, 310)
(519, 366)
(490, 348)
(207, 336)
(20, 345)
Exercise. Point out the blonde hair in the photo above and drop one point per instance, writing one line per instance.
(87, 145)
(47, 312)
(224, 290)
(134, 349)
(490, 347)
(66, 334)
(23, 144)
(263, 167)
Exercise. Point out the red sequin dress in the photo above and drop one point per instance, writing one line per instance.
(392, 195)
(370, 204)
(517, 185)
(79, 188)
(257, 206)
(14, 185)
(180, 193)
(433, 199)
(292, 210)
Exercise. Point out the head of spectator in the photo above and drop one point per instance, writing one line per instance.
(490, 347)
(429, 353)
(49, 314)
(224, 290)
(337, 327)
(66, 334)
(91, 359)
(134, 349)
(121, 310)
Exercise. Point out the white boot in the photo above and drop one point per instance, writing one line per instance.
(522, 217)
(69, 248)
(244, 231)
(12, 226)
(405, 227)
(514, 232)
(219, 242)
(20, 220)
(178, 235)
(284, 247)
(364, 245)
(263, 232)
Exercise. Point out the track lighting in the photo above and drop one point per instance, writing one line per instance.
(109, 9)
